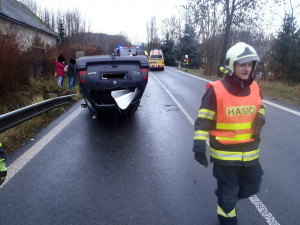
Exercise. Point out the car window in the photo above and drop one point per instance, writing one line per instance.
(140, 52)
(127, 51)
(156, 56)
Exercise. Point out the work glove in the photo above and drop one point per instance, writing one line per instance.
(257, 125)
(201, 158)
(3, 171)
(256, 133)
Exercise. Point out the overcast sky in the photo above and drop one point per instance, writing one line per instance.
(130, 16)
(115, 16)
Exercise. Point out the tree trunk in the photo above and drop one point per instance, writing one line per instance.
(225, 43)
(229, 16)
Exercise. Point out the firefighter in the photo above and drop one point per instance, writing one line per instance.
(3, 170)
(186, 60)
(231, 115)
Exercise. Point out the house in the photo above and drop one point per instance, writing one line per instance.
(15, 16)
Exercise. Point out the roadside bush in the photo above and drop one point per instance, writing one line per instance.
(68, 49)
(294, 77)
(15, 71)
(14, 67)
(18, 85)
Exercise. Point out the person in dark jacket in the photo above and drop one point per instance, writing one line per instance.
(3, 170)
(231, 116)
(71, 72)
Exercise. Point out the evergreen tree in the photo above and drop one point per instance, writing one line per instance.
(286, 51)
(61, 32)
(168, 51)
(189, 46)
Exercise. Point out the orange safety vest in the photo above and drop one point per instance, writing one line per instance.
(235, 114)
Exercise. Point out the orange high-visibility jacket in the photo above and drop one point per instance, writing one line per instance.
(234, 117)
(235, 114)
(225, 118)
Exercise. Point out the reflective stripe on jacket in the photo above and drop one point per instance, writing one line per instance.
(234, 117)
(235, 114)
(2, 154)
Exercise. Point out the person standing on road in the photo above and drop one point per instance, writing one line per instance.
(231, 115)
(60, 69)
(3, 170)
(71, 72)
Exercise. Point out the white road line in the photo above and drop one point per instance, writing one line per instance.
(194, 76)
(177, 103)
(261, 208)
(265, 101)
(18, 164)
(282, 108)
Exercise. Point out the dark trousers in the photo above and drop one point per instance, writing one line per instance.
(235, 182)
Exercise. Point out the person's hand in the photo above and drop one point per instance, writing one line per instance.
(256, 133)
(201, 158)
(3, 171)
(257, 125)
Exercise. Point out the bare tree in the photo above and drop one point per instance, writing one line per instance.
(31, 4)
(152, 34)
(205, 18)
(53, 24)
(172, 27)
(217, 17)
(239, 13)
(46, 17)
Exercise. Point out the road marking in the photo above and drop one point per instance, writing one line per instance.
(19, 163)
(282, 108)
(194, 76)
(261, 208)
(265, 101)
(177, 103)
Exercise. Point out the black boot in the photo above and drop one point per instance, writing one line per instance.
(227, 221)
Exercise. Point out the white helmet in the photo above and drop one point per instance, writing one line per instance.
(240, 53)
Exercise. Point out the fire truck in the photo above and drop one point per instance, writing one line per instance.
(156, 60)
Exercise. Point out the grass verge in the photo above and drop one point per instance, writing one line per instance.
(42, 89)
(288, 93)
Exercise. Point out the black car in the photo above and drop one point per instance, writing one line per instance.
(112, 82)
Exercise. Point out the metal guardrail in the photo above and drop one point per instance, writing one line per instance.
(19, 116)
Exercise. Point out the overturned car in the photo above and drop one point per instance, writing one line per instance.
(112, 82)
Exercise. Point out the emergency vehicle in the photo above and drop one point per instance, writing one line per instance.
(142, 52)
(156, 60)
(126, 51)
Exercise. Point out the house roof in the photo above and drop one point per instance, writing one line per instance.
(19, 13)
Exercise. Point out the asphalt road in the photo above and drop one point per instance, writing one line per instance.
(81, 170)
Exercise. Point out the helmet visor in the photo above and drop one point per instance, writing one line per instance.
(248, 59)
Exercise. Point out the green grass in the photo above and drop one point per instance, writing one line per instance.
(284, 92)
(15, 137)
(287, 93)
